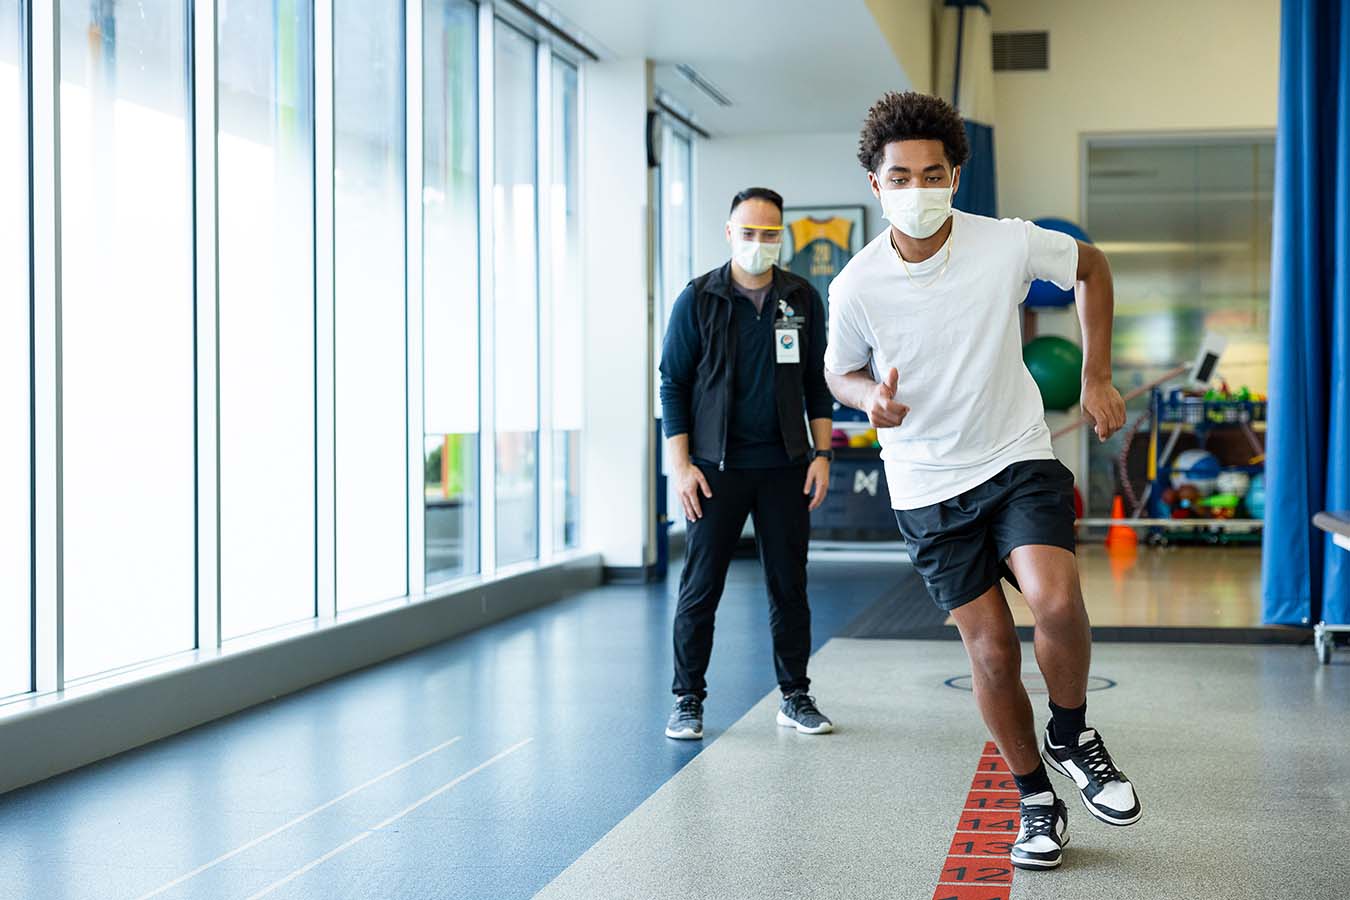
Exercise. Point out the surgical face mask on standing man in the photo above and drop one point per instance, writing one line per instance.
(755, 257)
(918, 212)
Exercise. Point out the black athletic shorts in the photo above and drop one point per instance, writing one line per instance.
(960, 546)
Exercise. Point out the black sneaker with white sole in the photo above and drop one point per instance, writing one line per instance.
(1044, 832)
(1105, 790)
(686, 719)
(798, 710)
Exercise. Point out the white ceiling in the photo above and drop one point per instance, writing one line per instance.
(786, 65)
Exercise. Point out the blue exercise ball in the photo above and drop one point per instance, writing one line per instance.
(1044, 293)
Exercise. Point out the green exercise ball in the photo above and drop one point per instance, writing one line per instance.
(1056, 365)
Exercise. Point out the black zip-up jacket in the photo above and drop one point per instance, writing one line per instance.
(699, 357)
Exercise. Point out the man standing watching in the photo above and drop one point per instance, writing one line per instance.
(742, 371)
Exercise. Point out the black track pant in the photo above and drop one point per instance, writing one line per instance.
(782, 529)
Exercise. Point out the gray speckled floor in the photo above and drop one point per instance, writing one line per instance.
(1240, 755)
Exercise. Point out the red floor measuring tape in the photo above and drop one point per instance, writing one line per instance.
(977, 865)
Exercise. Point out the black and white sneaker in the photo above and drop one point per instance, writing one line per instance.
(798, 710)
(1044, 832)
(686, 719)
(1106, 792)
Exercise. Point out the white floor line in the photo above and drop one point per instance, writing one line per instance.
(296, 821)
(387, 822)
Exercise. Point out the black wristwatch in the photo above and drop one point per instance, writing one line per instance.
(827, 455)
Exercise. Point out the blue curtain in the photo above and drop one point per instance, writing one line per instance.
(965, 77)
(978, 192)
(1306, 578)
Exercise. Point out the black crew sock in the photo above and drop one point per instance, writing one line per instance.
(1033, 782)
(1067, 724)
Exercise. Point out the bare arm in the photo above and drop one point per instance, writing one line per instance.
(821, 429)
(677, 450)
(1096, 309)
(858, 390)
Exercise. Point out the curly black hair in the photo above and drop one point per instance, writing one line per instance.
(911, 116)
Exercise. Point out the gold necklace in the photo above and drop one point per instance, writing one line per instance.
(942, 271)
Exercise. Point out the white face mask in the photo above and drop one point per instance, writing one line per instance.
(918, 212)
(754, 257)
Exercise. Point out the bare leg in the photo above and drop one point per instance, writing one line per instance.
(1049, 579)
(987, 630)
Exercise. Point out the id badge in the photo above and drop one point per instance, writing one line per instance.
(787, 345)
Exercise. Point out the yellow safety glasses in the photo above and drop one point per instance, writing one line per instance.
(764, 234)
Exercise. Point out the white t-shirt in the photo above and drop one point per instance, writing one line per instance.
(956, 342)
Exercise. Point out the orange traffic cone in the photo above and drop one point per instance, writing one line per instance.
(1120, 536)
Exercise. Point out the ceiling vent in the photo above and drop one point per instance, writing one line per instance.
(1021, 51)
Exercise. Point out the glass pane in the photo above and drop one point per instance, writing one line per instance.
(516, 317)
(370, 317)
(1187, 227)
(565, 256)
(15, 470)
(450, 286)
(127, 334)
(267, 529)
(676, 258)
(677, 262)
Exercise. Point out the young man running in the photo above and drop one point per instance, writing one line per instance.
(924, 338)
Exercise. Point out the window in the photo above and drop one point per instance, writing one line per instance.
(192, 425)
(676, 259)
(267, 391)
(677, 223)
(127, 389)
(675, 255)
(516, 299)
(450, 285)
(1186, 223)
(370, 316)
(565, 383)
(16, 477)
